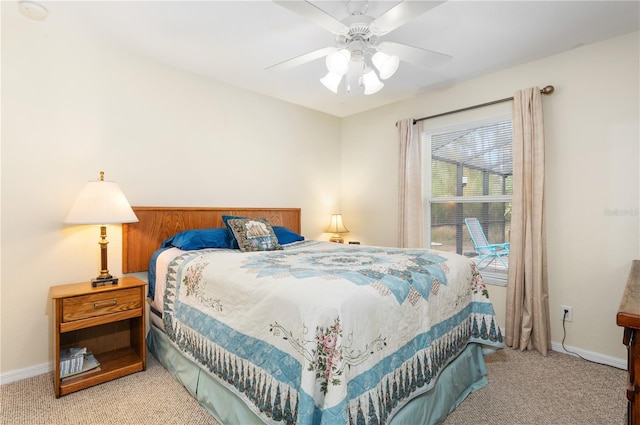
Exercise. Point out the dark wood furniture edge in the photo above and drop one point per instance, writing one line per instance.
(141, 239)
(629, 317)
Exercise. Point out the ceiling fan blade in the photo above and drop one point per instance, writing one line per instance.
(400, 14)
(302, 59)
(314, 14)
(416, 55)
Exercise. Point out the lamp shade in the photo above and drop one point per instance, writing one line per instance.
(336, 225)
(371, 82)
(338, 61)
(331, 81)
(101, 202)
(386, 65)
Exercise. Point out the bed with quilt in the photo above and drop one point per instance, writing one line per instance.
(262, 326)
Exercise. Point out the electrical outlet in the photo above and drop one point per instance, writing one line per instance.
(566, 312)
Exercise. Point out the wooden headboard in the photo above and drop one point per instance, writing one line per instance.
(141, 239)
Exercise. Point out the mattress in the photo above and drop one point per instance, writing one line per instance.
(322, 333)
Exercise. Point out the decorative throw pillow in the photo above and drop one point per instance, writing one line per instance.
(232, 237)
(254, 234)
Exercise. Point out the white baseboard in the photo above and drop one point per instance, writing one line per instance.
(28, 372)
(590, 355)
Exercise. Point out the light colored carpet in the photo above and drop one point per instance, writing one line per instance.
(528, 389)
(149, 397)
(524, 388)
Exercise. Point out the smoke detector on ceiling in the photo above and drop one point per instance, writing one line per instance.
(32, 10)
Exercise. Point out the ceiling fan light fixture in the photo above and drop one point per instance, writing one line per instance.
(331, 81)
(338, 61)
(386, 64)
(371, 82)
(357, 54)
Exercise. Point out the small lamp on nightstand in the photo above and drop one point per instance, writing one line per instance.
(101, 202)
(336, 227)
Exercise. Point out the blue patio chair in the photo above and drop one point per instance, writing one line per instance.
(486, 251)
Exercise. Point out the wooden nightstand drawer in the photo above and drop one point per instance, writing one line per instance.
(99, 304)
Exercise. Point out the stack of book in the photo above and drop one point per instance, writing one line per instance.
(77, 361)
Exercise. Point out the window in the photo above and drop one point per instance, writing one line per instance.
(468, 173)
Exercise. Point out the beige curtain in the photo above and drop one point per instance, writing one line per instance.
(527, 317)
(410, 217)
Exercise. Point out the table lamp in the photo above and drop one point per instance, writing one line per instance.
(101, 202)
(336, 227)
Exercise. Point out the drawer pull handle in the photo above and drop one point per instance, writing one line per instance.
(103, 304)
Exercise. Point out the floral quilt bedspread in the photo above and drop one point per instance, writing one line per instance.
(324, 333)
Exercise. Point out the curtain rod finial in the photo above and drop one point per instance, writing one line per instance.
(547, 90)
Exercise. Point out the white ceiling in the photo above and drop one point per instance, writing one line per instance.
(235, 41)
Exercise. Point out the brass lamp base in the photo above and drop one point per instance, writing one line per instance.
(104, 278)
(104, 281)
(337, 239)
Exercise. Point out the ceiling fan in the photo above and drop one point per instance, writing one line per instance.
(358, 53)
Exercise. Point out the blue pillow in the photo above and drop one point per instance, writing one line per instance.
(199, 239)
(151, 273)
(232, 238)
(286, 235)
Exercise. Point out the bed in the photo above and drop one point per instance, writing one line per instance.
(288, 331)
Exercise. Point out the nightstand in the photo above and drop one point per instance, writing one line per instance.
(109, 321)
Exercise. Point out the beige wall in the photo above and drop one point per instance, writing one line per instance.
(71, 108)
(592, 181)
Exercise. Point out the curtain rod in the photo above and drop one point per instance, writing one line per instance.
(546, 90)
